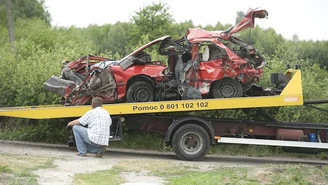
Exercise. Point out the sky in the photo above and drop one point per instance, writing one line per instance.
(305, 18)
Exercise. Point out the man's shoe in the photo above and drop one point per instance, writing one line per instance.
(81, 155)
(101, 152)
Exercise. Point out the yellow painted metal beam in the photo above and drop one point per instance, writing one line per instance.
(291, 96)
(295, 84)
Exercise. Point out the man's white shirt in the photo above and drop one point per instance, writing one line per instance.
(98, 121)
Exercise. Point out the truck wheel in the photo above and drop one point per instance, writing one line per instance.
(191, 142)
(140, 92)
(227, 88)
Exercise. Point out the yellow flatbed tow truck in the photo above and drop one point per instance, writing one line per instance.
(191, 136)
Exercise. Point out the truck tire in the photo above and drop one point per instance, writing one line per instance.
(191, 142)
(140, 92)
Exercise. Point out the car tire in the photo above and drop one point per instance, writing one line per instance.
(227, 88)
(140, 92)
(191, 142)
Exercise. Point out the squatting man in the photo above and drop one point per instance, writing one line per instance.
(91, 131)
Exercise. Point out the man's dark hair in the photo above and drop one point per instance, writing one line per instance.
(96, 102)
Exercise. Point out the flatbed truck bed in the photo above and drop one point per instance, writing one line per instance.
(291, 96)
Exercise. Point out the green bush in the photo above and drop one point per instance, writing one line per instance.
(38, 55)
(49, 131)
(314, 80)
(39, 52)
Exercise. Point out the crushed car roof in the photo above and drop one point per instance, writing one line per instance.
(146, 46)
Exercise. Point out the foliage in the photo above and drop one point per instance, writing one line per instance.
(40, 49)
(136, 140)
(240, 16)
(154, 19)
(49, 131)
(265, 40)
(27, 9)
(109, 38)
(217, 26)
(315, 50)
(314, 80)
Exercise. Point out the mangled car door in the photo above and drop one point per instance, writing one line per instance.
(211, 65)
(247, 22)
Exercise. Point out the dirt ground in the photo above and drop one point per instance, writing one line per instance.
(67, 164)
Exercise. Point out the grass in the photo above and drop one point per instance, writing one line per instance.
(180, 173)
(261, 151)
(154, 167)
(111, 177)
(264, 174)
(48, 131)
(220, 176)
(5, 169)
(17, 169)
(298, 174)
(140, 140)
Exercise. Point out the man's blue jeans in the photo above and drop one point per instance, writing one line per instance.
(83, 144)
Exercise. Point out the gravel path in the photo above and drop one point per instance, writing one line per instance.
(68, 164)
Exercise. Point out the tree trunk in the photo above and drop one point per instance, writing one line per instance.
(10, 25)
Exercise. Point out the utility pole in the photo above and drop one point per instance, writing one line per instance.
(10, 25)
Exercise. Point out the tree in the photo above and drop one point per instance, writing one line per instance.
(10, 25)
(177, 30)
(314, 50)
(97, 35)
(25, 9)
(240, 16)
(117, 38)
(295, 38)
(39, 52)
(154, 20)
(218, 26)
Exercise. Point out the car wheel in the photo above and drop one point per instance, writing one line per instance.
(227, 88)
(191, 142)
(140, 92)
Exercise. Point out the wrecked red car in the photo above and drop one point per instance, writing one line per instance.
(228, 67)
(132, 79)
(202, 64)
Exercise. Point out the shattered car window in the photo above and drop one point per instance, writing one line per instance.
(209, 51)
(146, 56)
(104, 64)
(169, 47)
